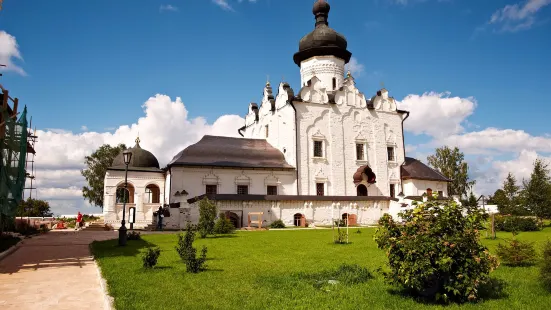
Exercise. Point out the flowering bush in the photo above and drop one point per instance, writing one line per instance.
(436, 252)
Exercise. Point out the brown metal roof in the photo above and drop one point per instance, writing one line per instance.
(234, 197)
(414, 169)
(218, 151)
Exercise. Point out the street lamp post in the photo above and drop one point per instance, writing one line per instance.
(127, 155)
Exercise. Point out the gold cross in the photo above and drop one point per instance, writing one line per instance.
(138, 138)
(383, 84)
(267, 80)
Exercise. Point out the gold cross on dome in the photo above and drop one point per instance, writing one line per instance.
(382, 84)
(138, 139)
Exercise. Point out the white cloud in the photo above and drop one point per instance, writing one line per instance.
(84, 128)
(9, 50)
(168, 8)
(355, 68)
(165, 129)
(517, 17)
(223, 4)
(436, 114)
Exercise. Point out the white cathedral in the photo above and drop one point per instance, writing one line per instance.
(325, 152)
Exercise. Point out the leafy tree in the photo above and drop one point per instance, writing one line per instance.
(437, 252)
(537, 190)
(510, 201)
(34, 207)
(470, 203)
(207, 214)
(451, 163)
(96, 167)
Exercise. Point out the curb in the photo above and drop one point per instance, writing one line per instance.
(12, 249)
(107, 300)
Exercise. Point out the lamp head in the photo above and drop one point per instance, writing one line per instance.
(127, 155)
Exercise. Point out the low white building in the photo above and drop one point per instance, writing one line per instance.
(306, 157)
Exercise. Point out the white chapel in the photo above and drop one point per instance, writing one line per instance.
(306, 157)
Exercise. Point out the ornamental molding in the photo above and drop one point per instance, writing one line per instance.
(211, 179)
(242, 179)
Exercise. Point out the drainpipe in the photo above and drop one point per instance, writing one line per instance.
(404, 146)
(296, 141)
(239, 130)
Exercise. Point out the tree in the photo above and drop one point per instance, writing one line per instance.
(509, 200)
(450, 162)
(34, 208)
(96, 167)
(500, 199)
(207, 214)
(537, 190)
(470, 203)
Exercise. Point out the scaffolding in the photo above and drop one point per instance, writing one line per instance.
(13, 151)
(32, 138)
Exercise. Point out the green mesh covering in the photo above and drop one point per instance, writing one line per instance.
(13, 152)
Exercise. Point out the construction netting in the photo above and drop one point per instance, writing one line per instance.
(13, 151)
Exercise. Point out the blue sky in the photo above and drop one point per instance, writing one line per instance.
(95, 63)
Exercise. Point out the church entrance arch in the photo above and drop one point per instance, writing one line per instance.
(350, 218)
(361, 190)
(234, 219)
(299, 220)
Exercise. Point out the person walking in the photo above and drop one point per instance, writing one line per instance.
(79, 220)
(160, 216)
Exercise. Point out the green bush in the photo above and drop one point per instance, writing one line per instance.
(223, 225)
(207, 214)
(188, 253)
(517, 253)
(545, 271)
(516, 223)
(7, 241)
(133, 235)
(341, 236)
(277, 224)
(150, 257)
(24, 228)
(436, 253)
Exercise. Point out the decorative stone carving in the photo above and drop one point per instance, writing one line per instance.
(211, 179)
(271, 180)
(315, 92)
(350, 95)
(242, 179)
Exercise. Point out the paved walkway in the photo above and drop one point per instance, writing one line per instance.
(53, 271)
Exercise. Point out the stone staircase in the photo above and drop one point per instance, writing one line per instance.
(96, 226)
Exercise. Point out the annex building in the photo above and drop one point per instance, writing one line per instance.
(307, 156)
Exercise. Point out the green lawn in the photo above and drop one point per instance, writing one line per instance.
(258, 270)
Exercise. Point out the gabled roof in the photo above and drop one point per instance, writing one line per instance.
(229, 152)
(414, 169)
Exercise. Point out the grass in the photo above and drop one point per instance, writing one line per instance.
(282, 270)
(7, 241)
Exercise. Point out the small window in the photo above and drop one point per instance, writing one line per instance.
(211, 189)
(440, 194)
(318, 149)
(360, 151)
(242, 189)
(393, 190)
(334, 83)
(267, 131)
(429, 192)
(271, 190)
(390, 151)
(320, 189)
(309, 83)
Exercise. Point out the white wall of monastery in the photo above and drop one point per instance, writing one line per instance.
(414, 187)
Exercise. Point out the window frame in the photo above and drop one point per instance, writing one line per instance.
(207, 186)
(242, 186)
(363, 148)
(322, 188)
(268, 187)
(389, 158)
(315, 141)
(392, 189)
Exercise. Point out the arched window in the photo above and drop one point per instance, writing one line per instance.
(299, 220)
(152, 194)
(125, 195)
(361, 190)
(429, 192)
(334, 83)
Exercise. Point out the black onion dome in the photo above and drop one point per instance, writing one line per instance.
(323, 41)
(140, 158)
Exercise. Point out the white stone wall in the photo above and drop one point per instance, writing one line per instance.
(194, 181)
(139, 180)
(315, 212)
(413, 187)
(324, 68)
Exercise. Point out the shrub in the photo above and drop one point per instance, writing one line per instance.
(340, 223)
(341, 236)
(516, 223)
(545, 271)
(223, 225)
(188, 253)
(133, 235)
(44, 228)
(517, 253)
(7, 241)
(207, 214)
(436, 252)
(277, 224)
(150, 257)
(24, 228)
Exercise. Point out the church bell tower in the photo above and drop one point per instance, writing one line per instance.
(322, 53)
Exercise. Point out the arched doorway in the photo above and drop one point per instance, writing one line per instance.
(361, 190)
(429, 192)
(351, 218)
(234, 219)
(299, 220)
(152, 194)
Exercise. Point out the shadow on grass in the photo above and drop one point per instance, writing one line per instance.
(222, 236)
(111, 248)
(494, 289)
